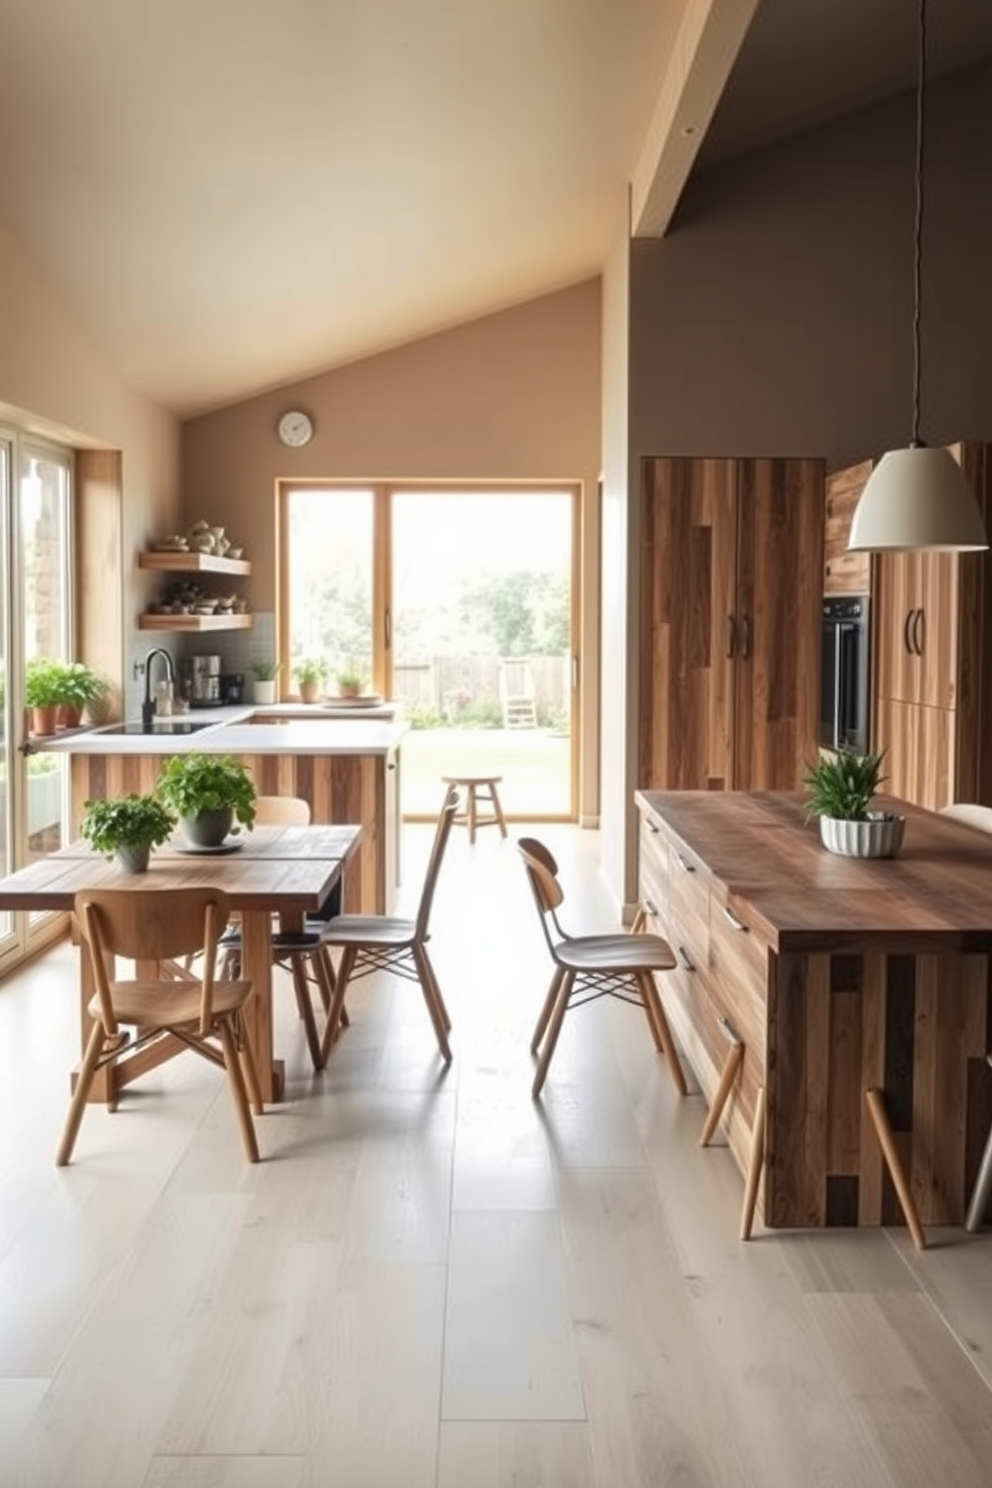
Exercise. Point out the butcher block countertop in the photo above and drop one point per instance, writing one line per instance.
(935, 896)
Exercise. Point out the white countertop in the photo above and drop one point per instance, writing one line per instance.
(323, 731)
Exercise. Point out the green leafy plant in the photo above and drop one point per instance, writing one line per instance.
(842, 785)
(126, 821)
(43, 683)
(81, 686)
(266, 671)
(310, 669)
(349, 679)
(195, 783)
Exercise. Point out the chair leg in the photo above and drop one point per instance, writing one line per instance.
(247, 1057)
(337, 1002)
(326, 979)
(755, 1165)
(639, 921)
(425, 972)
(302, 988)
(728, 1075)
(436, 989)
(554, 1029)
(77, 1105)
(549, 1002)
(883, 1129)
(239, 1094)
(982, 1189)
(653, 1001)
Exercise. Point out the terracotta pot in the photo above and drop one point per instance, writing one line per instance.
(44, 721)
(70, 716)
(309, 692)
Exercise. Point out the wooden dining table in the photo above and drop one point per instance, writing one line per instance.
(273, 878)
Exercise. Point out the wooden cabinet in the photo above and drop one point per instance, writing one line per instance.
(844, 572)
(932, 645)
(194, 563)
(730, 638)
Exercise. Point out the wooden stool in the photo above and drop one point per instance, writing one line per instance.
(478, 788)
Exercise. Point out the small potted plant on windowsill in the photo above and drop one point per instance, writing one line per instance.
(43, 694)
(349, 682)
(311, 673)
(841, 788)
(127, 827)
(265, 675)
(212, 794)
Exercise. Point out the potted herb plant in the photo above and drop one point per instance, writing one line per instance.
(841, 788)
(81, 688)
(43, 693)
(265, 675)
(212, 794)
(349, 682)
(311, 673)
(127, 827)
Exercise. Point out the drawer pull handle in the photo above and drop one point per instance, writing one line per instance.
(732, 919)
(653, 826)
(685, 865)
(649, 907)
(684, 958)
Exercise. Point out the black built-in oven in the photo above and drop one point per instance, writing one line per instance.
(845, 661)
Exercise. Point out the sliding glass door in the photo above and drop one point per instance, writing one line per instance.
(458, 602)
(35, 623)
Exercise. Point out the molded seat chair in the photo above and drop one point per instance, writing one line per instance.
(591, 966)
(300, 952)
(152, 927)
(370, 943)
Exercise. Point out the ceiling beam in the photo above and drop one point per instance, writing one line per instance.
(704, 53)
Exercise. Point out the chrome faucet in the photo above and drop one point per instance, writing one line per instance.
(148, 706)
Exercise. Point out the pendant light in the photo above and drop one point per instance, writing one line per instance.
(917, 497)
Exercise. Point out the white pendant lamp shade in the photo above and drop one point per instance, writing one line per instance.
(917, 498)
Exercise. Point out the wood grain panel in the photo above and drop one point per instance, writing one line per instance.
(920, 746)
(780, 567)
(844, 572)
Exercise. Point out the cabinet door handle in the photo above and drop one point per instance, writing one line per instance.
(731, 637)
(745, 638)
(684, 864)
(685, 959)
(919, 632)
(732, 919)
(906, 628)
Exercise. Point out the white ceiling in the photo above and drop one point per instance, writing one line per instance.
(234, 194)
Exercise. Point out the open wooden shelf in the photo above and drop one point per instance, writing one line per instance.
(195, 622)
(193, 563)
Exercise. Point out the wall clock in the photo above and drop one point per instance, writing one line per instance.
(295, 428)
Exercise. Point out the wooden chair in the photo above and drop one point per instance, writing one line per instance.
(478, 790)
(299, 952)
(151, 927)
(370, 943)
(590, 966)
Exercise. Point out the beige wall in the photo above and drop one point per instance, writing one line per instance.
(55, 382)
(775, 318)
(511, 397)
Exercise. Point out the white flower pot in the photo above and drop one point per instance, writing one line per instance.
(878, 837)
(263, 692)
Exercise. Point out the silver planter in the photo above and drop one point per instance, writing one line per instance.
(880, 836)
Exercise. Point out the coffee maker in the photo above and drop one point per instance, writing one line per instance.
(201, 681)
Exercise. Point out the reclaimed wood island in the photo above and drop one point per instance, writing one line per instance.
(348, 770)
(839, 976)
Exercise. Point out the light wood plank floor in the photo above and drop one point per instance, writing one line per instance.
(433, 1283)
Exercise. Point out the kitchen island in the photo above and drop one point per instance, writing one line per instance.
(346, 767)
(838, 975)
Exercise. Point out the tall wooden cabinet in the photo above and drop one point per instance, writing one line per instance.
(933, 643)
(730, 634)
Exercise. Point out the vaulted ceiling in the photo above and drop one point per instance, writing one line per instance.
(233, 194)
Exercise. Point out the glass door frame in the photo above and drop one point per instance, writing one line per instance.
(384, 493)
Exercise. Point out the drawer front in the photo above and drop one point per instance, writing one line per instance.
(653, 873)
(737, 990)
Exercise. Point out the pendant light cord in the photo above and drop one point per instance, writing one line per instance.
(918, 230)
